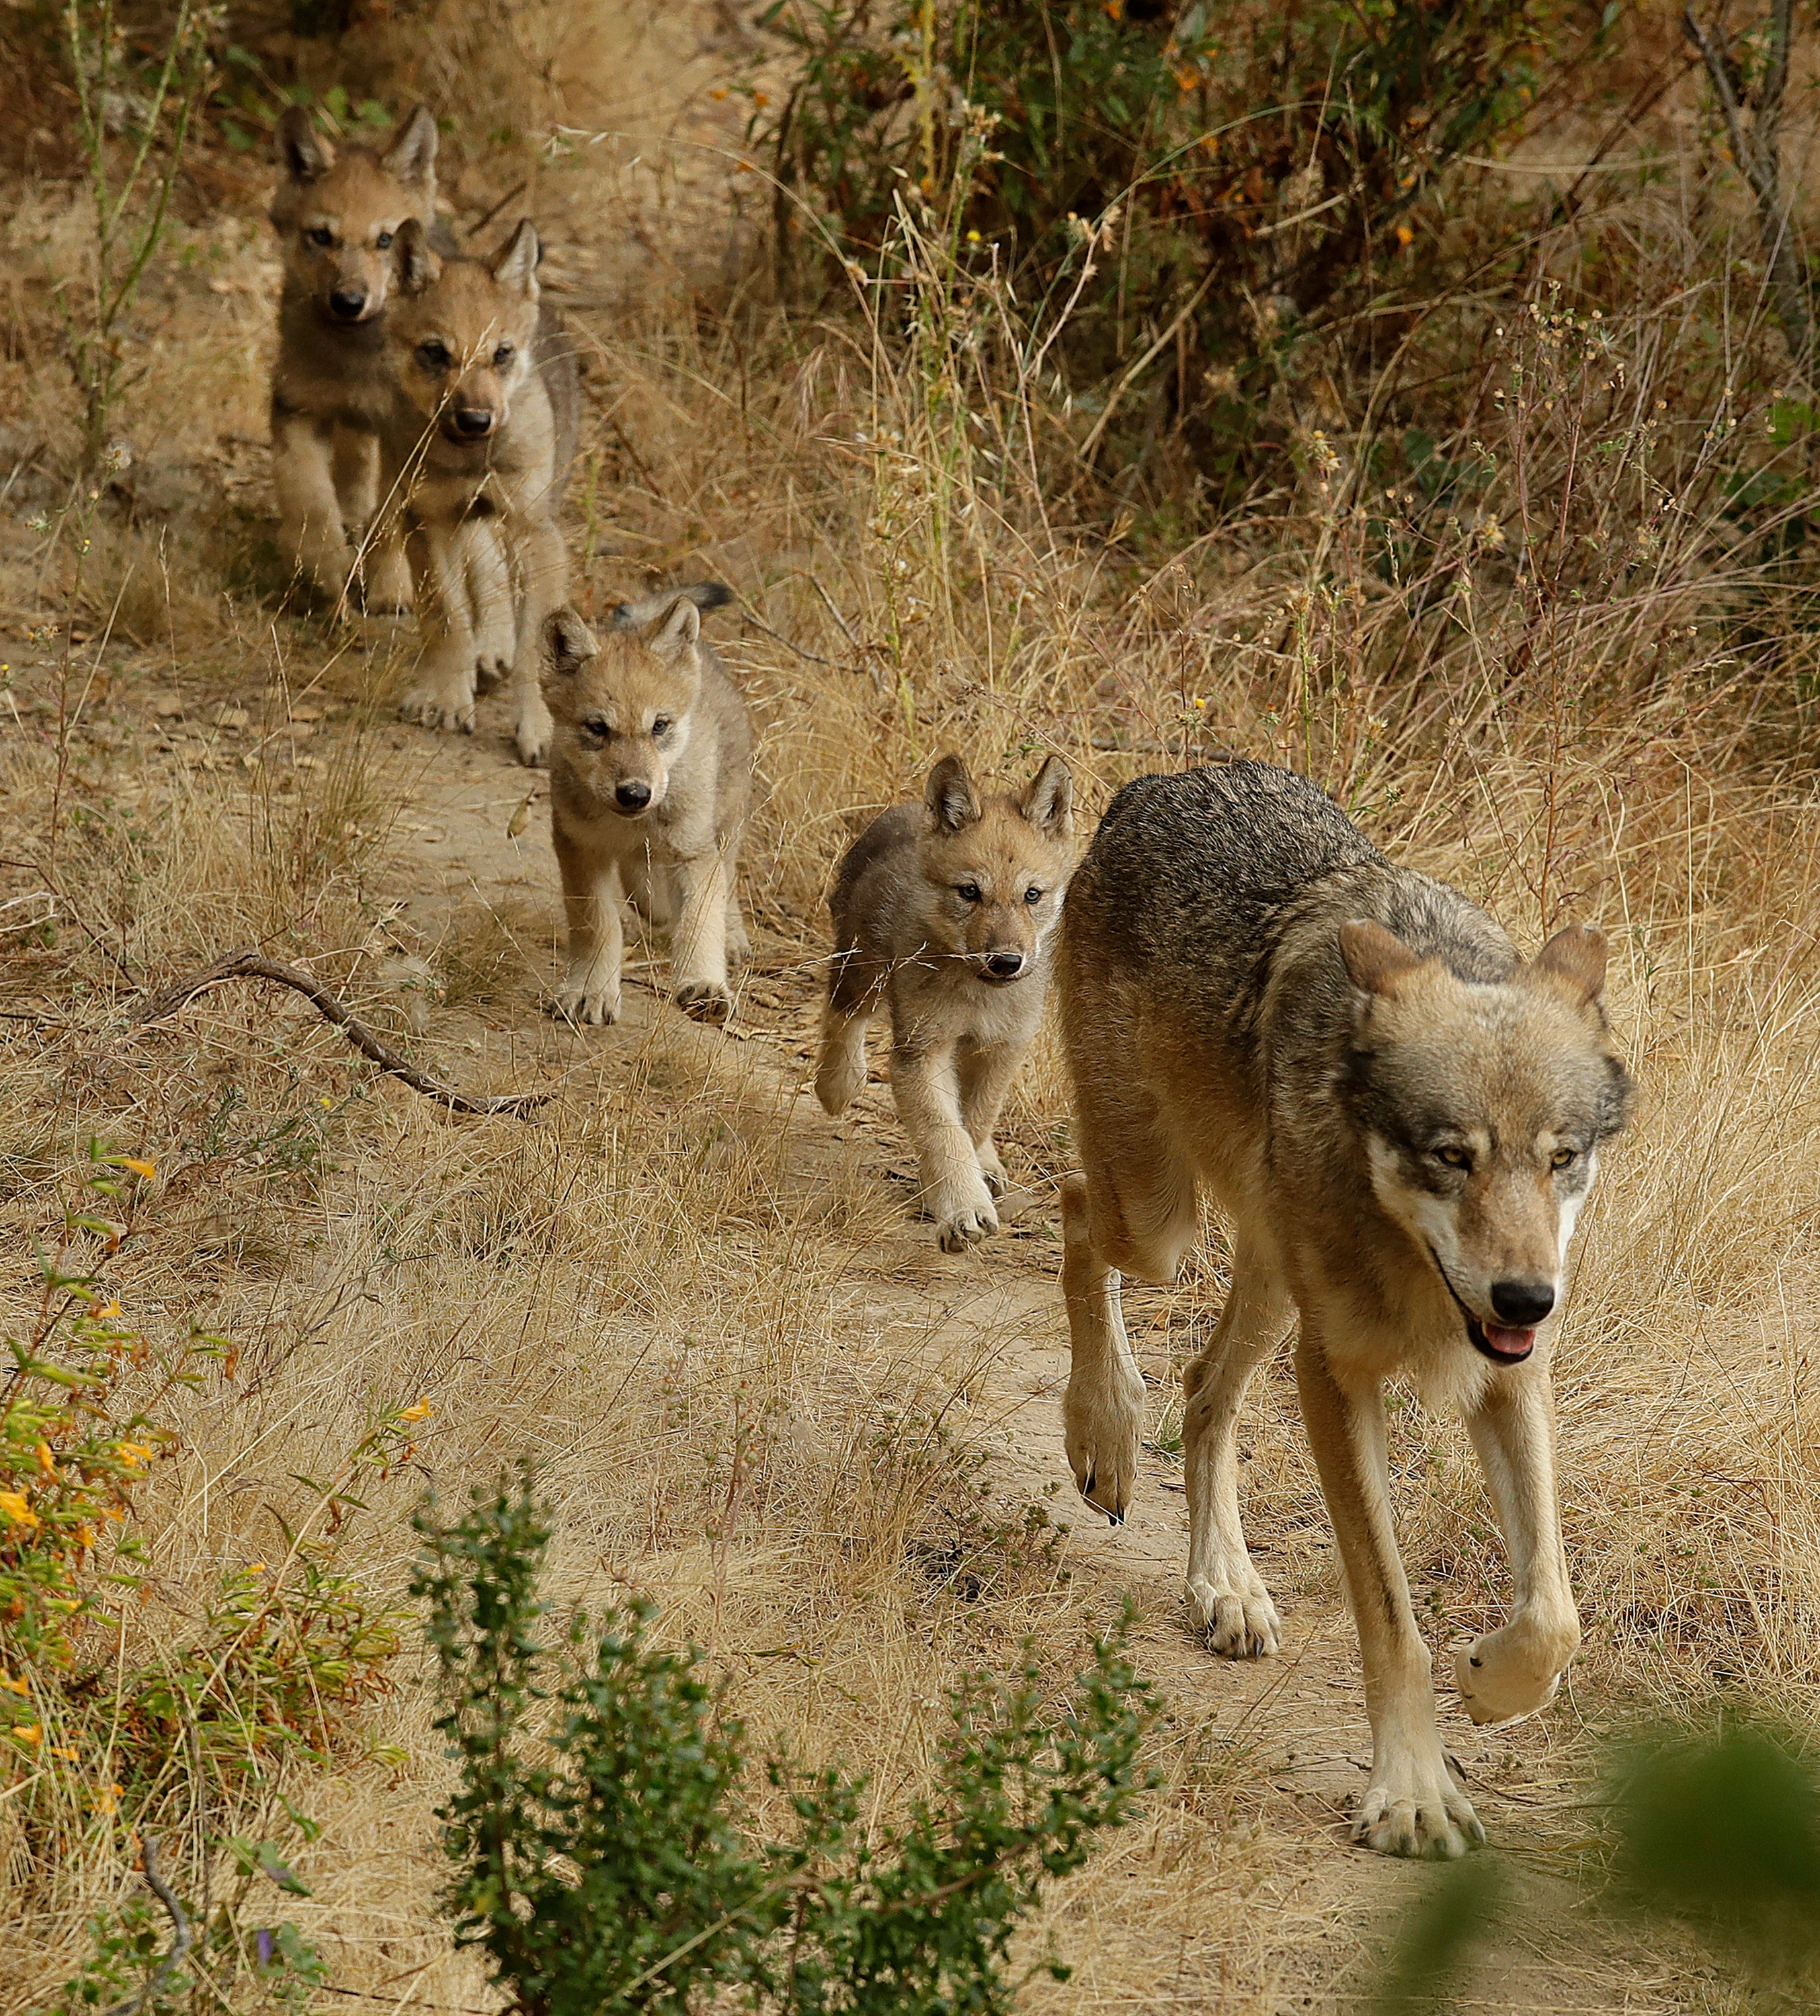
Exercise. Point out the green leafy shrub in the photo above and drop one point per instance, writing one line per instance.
(601, 1860)
(1270, 171)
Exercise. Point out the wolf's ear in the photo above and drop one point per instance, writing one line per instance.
(303, 153)
(413, 258)
(672, 631)
(515, 264)
(1575, 957)
(1375, 958)
(568, 643)
(1048, 804)
(950, 797)
(411, 157)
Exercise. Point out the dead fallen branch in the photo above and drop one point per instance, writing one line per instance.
(250, 964)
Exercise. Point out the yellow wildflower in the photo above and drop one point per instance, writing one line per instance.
(14, 1504)
(130, 1453)
(113, 1313)
(28, 1732)
(147, 1168)
(1404, 235)
(21, 1686)
(62, 1750)
(46, 1462)
(419, 1413)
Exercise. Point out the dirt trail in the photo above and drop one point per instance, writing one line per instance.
(1297, 1720)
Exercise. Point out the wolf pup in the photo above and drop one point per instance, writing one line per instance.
(1402, 1119)
(944, 910)
(480, 432)
(650, 782)
(337, 211)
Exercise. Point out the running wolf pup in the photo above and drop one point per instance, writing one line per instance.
(650, 784)
(1401, 1118)
(944, 911)
(479, 434)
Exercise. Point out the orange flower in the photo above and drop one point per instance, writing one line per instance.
(46, 1462)
(148, 1168)
(419, 1413)
(14, 1504)
(28, 1732)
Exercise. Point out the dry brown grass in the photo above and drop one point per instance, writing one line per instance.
(751, 1397)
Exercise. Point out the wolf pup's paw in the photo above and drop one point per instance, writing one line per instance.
(704, 1001)
(1511, 1672)
(1238, 1619)
(440, 702)
(1413, 1807)
(532, 732)
(955, 1231)
(1102, 1418)
(993, 1170)
(590, 1002)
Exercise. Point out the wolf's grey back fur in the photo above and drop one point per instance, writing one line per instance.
(1226, 885)
(634, 615)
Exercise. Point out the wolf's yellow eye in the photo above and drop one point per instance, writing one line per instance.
(1454, 1158)
(968, 892)
(1564, 1158)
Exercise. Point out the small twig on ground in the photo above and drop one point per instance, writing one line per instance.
(250, 964)
(180, 1937)
(811, 657)
(475, 230)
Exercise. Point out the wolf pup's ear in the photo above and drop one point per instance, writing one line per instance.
(411, 157)
(672, 633)
(413, 259)
(1376, 959)
(568, 643)
(515, 265)
(1048, 804)
(302, 152)
(950, 797)
(1576, 958)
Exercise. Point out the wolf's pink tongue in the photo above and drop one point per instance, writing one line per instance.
(1510, 1343)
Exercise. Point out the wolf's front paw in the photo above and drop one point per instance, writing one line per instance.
(993, 1170)
(1412, 1806)
(442, 698)
(494, 647)
(704, 1001)
(386, 589)
(1513, 1672)
(1102, 1416)
(1235, 1616)
(595, 1003)
(531, 731)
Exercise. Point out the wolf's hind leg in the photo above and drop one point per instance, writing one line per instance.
(1514, 1671)
(1102, 1412)
(1227, 1600)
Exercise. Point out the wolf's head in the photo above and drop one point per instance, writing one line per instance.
(461, 336)
(624, 707)
(991, 871)
(1482, 1107)
(339, 211)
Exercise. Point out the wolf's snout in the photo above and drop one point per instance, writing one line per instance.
(631, 795)
(346, 305)
(473, 421)
(1004, 965)
(1523, 1304)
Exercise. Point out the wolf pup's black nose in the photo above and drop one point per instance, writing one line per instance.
(1521, 1303)
(1005, 965)
(631, 796)
(347, 307)
(473, 421)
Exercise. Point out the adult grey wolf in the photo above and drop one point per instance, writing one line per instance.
(650, 785)
(1401, 1119)
(945, 910)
